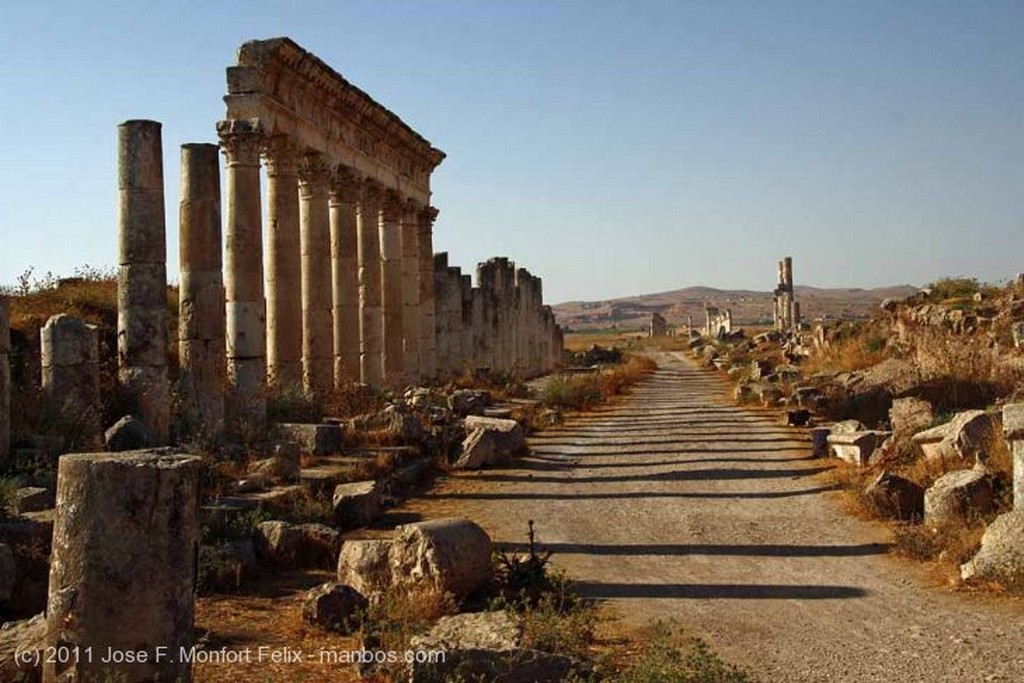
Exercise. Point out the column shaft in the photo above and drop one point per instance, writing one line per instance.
(284, 266)
(317, 281)
(391, 274)
(371, 320)
(345, 277)
(411, 314)
(428, 334)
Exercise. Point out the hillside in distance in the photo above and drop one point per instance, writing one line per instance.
(748, 307)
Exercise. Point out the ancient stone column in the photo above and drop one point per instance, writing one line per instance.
(317, 280)
(5, 382)
(411, 315)
(453, 321)
(123, 566)
(71, 377)
(344, 204)
(1013, 432)
(246, 340)
(284, 265)
(391, 273)
(142, 275)
(201, 295)
(428, 333)
(440, 277)
(465, 320)
(371, 319)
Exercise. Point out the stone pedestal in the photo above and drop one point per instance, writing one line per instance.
(246, 340)
(201, 296)
(428, 334)
(344, 201)
(411, 322)
(371, 320)
(122, 572)
(391, 256)
(317, 298)
(1013, 432)
(142, 276)
(284, 266)
(71, 378)
(5, 382)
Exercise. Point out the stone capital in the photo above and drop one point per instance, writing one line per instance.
(241, 140)
(346, 186)
(282, 156)
(373, 192)
(427, 216)
(314, 176)
(392, 205)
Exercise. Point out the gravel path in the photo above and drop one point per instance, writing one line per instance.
(678, 505)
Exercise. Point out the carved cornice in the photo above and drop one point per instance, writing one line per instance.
(346, 186)
(241, 140)
(392, 205)
(372, 194)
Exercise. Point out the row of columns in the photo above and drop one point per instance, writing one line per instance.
(501, 325)
(785, 308)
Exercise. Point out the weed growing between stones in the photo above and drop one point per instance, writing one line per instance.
(664, 660)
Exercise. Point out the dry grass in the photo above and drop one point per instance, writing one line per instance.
(589, 390)
(863, 349)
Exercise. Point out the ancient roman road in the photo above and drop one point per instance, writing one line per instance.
(678, 505)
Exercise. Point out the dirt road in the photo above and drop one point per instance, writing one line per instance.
(678, 505)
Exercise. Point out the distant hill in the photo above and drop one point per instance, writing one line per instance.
(748, 307)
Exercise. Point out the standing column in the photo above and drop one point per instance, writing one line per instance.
(142, 275)
(201, 295)
(284, 266)
(391, 255)
(123, 567)
(440, 277)
(371, 320)
(344, 201)
(411, 316)
(428, 334)
(246, 318)
(5, 382)
(317, 300)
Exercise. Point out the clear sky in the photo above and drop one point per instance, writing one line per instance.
(613, 148)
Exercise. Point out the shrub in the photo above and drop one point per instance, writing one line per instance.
(663, 661)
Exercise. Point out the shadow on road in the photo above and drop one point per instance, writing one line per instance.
(697, 591)
(769, 550)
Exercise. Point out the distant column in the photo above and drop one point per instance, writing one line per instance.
(440, 277)
(391, 255)
(142, 275)
(371, 320)
(69, 348)
(317, 281)
(201, 294)
(246, 340)
(284, 265)
(428, 334)
(411, 314)
(344, 207)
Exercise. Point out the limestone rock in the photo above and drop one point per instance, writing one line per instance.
(356, 504)
(296, 545)
(908, 416)
(8, 573)
(896, 497)
(1001, 557)
(335, 607)
(128, 434)
(276, 468)
(463, 402)
(847, 427)
(453, 554)
(484, 646)
(33, 499)
(957, 495)
(962, 438)
(22, 636)
(317, 439)
(365, 565)
(491, 441)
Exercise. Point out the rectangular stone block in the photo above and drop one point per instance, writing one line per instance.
(317, 439)
(1013, 421)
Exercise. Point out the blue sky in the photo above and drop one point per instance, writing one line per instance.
(614, 148)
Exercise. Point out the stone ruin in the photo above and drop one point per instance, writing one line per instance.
(352, 293)
(658, 326)
(717, 323)
(785, 307)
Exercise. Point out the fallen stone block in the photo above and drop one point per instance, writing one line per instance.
(959, 495)
(855, 448)
(1001, 557)
(453, 554)
(25, 638)
(296, 545)
(485, 646)
(909, 416)
(365, 564)
(895, 497)
(463, 402)
(335, 607)
(962, 438)
(1013, 432)
(356, 504)
(317, 439)
(33, 499)
(128, 434)
(491, 441)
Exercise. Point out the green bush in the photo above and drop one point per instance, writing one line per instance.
(663, 661)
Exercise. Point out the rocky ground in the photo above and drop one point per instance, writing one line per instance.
(678, 505)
